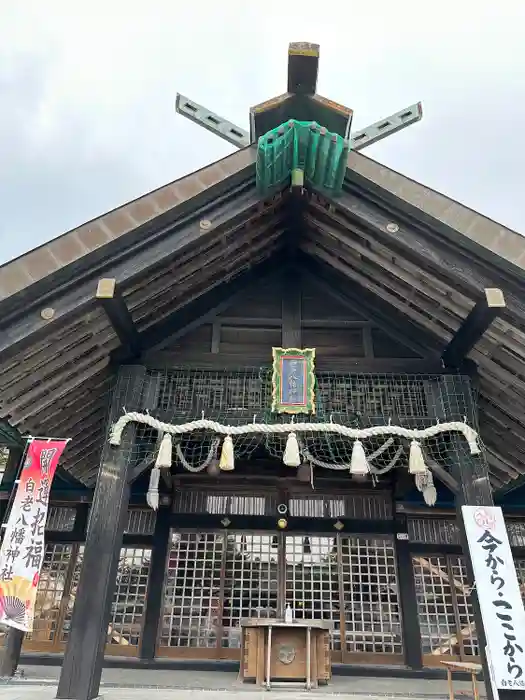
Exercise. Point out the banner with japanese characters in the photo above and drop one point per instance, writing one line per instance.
(499, 594)
(22, 550)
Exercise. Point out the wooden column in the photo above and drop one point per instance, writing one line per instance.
(407, 596)
(471, 473)
(83, 660)
(13, 640)
(11, 651)
(153, 614)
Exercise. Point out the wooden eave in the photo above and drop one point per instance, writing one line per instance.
(431, 267)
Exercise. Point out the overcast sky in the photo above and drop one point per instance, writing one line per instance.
(87, 93)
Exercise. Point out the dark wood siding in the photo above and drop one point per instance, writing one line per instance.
(244, 334)
(334, 342)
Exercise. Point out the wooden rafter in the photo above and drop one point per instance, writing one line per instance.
(110, 298)
(474, 326)
(163, 246)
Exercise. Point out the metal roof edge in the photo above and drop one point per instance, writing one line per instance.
(498, 244)
(74, 247)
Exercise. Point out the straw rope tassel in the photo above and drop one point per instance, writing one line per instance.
(359, 463)
(152, 497)
(227, 459)
(164, 455)
(292, 455)
(416, 461)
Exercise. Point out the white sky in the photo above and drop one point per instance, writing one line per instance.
(87, 92)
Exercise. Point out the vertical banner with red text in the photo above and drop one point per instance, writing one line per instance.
(22, 550)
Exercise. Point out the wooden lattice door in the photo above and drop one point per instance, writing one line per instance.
(53, 598)
(214, 580)
(57, 593)
(446, 618)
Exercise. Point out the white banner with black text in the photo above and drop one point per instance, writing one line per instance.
(498, 593)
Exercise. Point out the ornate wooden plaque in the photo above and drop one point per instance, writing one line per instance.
(293, 381)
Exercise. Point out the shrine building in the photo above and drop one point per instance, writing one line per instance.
(242, 360)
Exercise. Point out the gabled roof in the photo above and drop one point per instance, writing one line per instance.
(172, 252)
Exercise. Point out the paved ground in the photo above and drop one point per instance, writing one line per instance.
(39, 682)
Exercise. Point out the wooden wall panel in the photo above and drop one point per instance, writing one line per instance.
(334, 342)
(244, 334)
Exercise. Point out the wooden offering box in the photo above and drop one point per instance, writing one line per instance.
(298, 651)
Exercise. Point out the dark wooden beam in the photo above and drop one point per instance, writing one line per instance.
(74, 294)
(84, 656)
(110, 298)
(9, 436)
(137, 469)
(153, 612)
(303, 68)
(407, 595)
(473, 327)
(424, 245)
(12, 465)
(60, 497)
(442, 474)
(291, 308)
(11, 651)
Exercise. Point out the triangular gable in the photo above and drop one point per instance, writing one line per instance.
(90, 241)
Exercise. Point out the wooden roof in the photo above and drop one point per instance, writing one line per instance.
(183, 249)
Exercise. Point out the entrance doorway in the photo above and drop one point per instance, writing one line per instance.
(214, 580)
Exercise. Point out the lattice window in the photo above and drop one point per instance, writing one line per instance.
(51, 586)
(366, 506)
(369, 397)
(445, 614)
(235, 505)
(312, 580)
(60, 519)
(188, 392)
(370, 596)
(369, 506)
(4, 456)
(129, 598)
(140, 521)
(250, 584)
(70, 604)
(516, 532)
(316, 507)
(190, 501)
(433, 531)
(192, 591)
(361, 397)
(520, 573)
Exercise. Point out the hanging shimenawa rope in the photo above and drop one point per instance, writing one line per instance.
(295, 453)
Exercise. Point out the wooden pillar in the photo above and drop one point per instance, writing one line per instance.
(11, 652)
(407, 596)
(83, 660)
(13, 640)
(153, 614)
(471, 473)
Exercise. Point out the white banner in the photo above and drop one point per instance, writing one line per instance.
(499, 594)
(22, 550)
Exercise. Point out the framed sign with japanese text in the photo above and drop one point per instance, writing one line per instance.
(293, 380)
(499, 594)
(22, 550)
